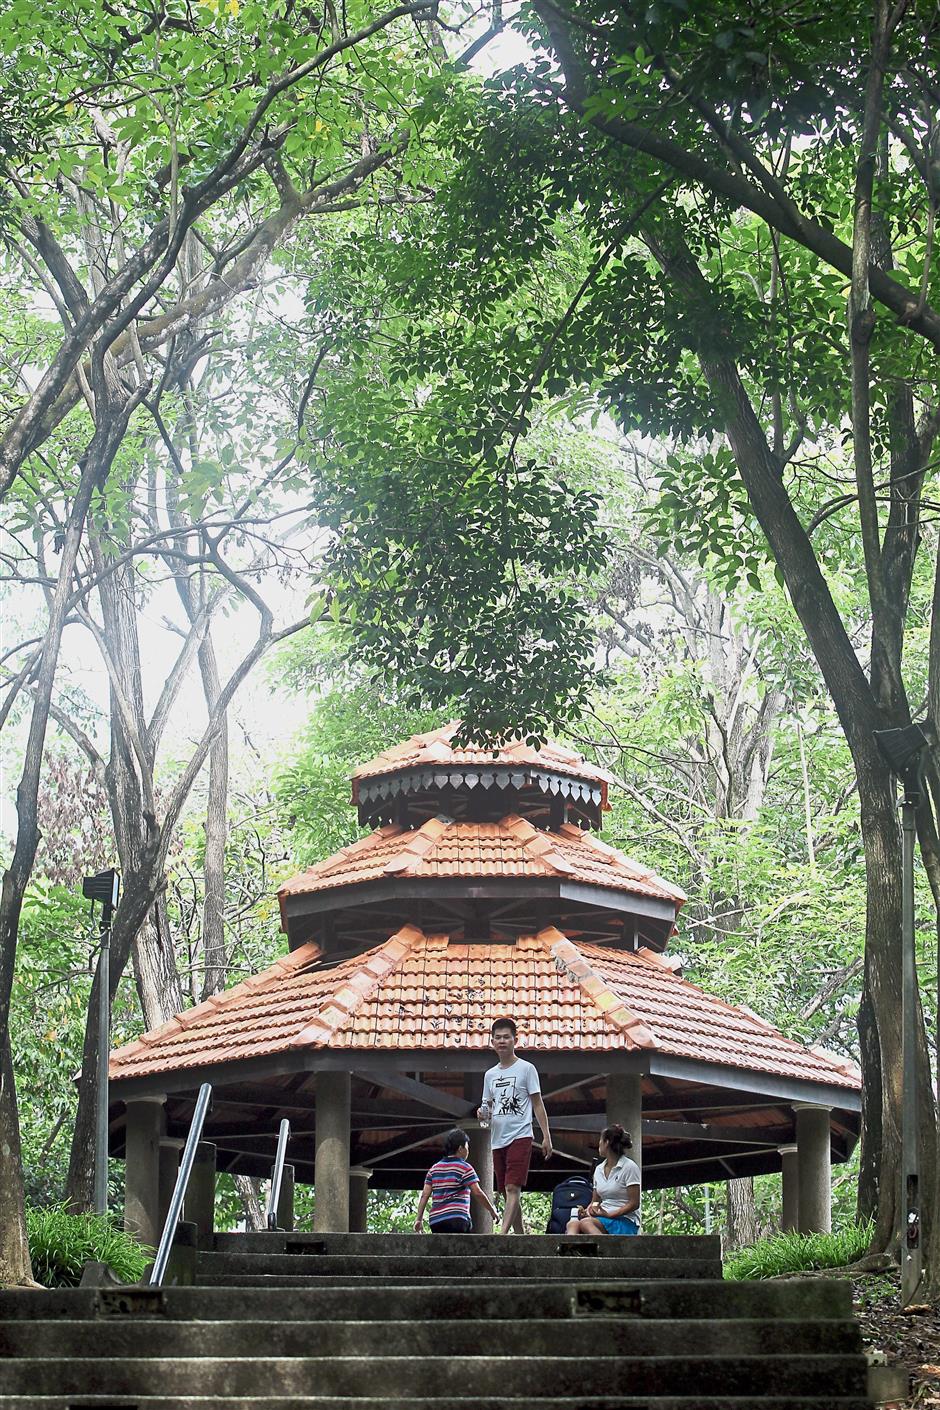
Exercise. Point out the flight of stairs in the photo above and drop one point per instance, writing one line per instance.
(363, 1321)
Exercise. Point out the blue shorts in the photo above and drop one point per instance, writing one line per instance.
(617, 1226)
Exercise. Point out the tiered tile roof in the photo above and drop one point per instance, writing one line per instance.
(511, 847)
(419, 991)
(436, 749)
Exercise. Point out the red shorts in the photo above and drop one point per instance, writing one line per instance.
(511, 1163)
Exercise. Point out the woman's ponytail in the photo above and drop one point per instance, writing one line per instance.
(618, 1140)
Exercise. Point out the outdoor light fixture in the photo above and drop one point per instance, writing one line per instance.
(104, 888)
(902, 750)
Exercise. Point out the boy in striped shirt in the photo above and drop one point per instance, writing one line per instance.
(449, 1185)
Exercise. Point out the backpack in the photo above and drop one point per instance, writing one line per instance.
(576, 1190)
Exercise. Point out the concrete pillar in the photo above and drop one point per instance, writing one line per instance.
(145, 1124)
(359, 1199)
(199, 1208)
(790, 1181)
(170, 1147)
(625, 1106)
(331, 1162)
(284, 1213)
(481, 1158)
(814, 1170)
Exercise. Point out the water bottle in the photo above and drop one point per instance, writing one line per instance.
(574, 1213)
(485, 1114)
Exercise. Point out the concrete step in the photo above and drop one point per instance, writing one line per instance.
(396, 1378)
(596, 1338)
(801, 1299)
(627, 1402)
(484, 1285)
(468, 1268)
(704, 1247)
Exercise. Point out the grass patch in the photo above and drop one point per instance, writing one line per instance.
(60, 1244)
(799, 1253)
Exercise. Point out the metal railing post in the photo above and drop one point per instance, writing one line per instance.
(182, 1180)
(277, 1174)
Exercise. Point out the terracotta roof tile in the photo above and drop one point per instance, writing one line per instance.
(420, 991)
(691, 1023)
(510, 847)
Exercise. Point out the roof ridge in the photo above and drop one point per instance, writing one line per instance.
(640, 871)
(569, 959)
(839, 1061)
(537, 843)
(417, 844)
(336, 1009)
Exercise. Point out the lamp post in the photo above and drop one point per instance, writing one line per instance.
(902, 749)
(104, 887)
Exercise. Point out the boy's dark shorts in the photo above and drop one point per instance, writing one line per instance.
(511, 1163)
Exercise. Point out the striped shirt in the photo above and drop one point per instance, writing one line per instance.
(450, 1180)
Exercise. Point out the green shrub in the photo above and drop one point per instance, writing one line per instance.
(60, 1244)
(798, 1253)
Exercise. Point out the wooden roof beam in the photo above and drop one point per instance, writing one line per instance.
(420, 1092)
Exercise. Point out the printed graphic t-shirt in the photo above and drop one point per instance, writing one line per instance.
(508, 1091)
(450, 1180)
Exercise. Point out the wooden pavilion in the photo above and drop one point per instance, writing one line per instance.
(481, 891)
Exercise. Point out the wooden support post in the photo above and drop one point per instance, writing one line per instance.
(145, 1124)
(790, 1181)
(481, 1158)
(199, 1208)
(625, 1106)
(170, 1147)
(331, 1162)
(359, 1199)
(285, 1204)
(815, 1169)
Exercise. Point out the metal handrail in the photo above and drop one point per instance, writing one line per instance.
(182, 1181)
(277, 1174)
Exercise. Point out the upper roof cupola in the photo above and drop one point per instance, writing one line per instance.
(480, 845)
(429, 776)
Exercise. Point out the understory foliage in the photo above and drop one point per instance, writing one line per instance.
(60, 1244)
(799, 1253)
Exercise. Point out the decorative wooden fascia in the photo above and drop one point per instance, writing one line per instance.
(374, 795)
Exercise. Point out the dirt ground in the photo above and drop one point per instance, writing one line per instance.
(908, 1339)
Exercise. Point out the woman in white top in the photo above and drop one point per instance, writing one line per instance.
(615, 1205)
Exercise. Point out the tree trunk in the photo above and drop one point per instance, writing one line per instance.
(114, 409)
(860, 713)
(136, 902)
(14, 1249)
(140, 844)
(879, 1025)
(158, 981)
(249, 1192)
(213, 909)
(742, 1228)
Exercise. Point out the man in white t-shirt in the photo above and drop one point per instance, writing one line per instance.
(511, 1094)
